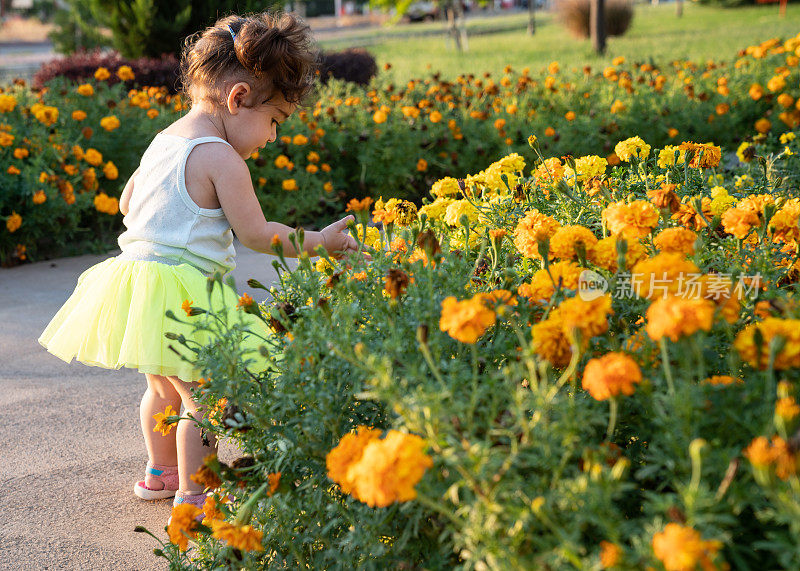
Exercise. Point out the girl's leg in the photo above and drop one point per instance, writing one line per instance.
(191, 448)
(159, 394)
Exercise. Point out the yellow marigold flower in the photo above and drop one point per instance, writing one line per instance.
(531, 229)
(45, 114)
(289, 184)
(568, 240)
(101, 74)
(604, 253)
(787, 408)
(7, 103)
(466, 320)
(39, 197)
(183, 525)
(549, 172)
(93, 157)
(739, 221)
(323, 266)
(550, 342)
(109, 123)
(410, 111)
(610, 554)
(125, 73)
(389, 469)
(776, 83)
(542, 286)
(671, 155)
(610, 375)
(299, 139)
(662, 275)
(162, 425)
(459, 208)
(587, 167)
(756, 92)
(682, 548)
(86, 90)
(244, 538)
(770, 328)
(110, 171)
(675, 240)
(436, 209)
(347, 453)
(676, 317)
(632, 147)
(633, 220)
(13, 222)
(445, 187)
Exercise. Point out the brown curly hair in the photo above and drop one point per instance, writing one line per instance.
(273, 52)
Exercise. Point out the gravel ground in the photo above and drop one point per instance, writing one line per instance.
(70, 435)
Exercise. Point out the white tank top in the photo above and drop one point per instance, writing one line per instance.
(163, 223)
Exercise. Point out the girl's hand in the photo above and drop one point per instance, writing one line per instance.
(336, 238)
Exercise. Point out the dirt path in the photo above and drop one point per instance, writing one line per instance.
(70, 436)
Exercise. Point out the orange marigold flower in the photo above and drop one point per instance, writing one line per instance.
(299, 139)
(682, 548)
(676, 317)
(759, 452)
(567, 241)
(662, 275)
(109, 123)
(101, 74)
(565, 274)
(787, 408)
(664, 197)
(533, 228)
(13, 222)
(187, 307)
(610, 554)
(550, 342)
(93, 157)
(289, 184)
(356, 205)
(723, 380)
(763, 125)
(770, 328)
(676, 241)
(703, 155)
(347, 453)
(39, 197)
(688, 217)
(245, 301)
(589, 318)
(422, 165)
(125, 73)
(242, 537)
(633, 220)
(739, 221)
(784, 223)
(162, 425)
(396, 283)
(183, 525)
(610, 375)
(604, 253)
(466, 320)
(86, 90)
(389, 469)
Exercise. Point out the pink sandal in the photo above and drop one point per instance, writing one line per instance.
(167, 476)
(197, 500)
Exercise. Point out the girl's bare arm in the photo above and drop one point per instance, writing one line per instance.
(125, 198)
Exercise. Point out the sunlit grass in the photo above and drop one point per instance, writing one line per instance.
(656, 33)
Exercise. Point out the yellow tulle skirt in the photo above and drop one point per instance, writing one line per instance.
(116, 317)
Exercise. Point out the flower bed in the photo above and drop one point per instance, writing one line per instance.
(383, 140)
(547, 366)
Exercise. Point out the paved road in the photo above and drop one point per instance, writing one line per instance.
(70, 437)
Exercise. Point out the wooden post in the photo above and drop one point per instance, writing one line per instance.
(679, 8)
(783, 8)
(531, 17)
(597, 25)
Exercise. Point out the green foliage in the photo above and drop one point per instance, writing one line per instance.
(76, 29)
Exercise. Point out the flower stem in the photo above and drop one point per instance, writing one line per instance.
(612, 420)
(665, 363)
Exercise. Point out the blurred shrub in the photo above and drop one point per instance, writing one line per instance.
(81, 66)
(575, 14)
(355, 65)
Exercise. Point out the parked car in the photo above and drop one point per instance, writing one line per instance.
(422, 11)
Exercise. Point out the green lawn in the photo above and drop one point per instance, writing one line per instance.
(702, 33)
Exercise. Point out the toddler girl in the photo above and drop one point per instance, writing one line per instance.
(244, 76)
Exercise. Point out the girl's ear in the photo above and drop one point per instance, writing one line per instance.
(237, 96)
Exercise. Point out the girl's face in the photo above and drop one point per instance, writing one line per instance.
(251, 128)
